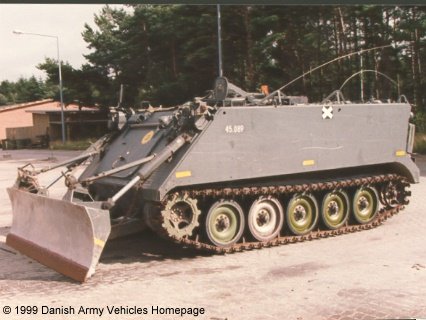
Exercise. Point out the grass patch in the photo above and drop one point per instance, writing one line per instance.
(420, 143)
(71, 145)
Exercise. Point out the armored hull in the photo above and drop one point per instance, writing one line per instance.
(263, 143)
(221, 177)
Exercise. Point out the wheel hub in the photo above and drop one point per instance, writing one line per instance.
(363, 203)
(299, 213)
(263, 217)
(180, 218)
(391, 194)
(333, 208)
(222, 223)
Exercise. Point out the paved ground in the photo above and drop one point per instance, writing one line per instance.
(374, 274)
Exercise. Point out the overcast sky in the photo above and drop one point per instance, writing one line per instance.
(19, 54)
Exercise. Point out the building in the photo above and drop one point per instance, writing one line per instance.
(80, 123)
(35, 120)
(16, 116)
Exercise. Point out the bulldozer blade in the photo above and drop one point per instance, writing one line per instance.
(65, 236)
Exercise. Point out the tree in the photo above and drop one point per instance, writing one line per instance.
(24, 90)
(82, 86)
(168, 53)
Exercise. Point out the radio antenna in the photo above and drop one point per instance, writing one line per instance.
(219, 41)
(319, 67)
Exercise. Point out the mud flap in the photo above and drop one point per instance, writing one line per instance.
(65, 236)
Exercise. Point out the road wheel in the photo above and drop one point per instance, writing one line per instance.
(335, 209)
(302, 214)
(365, 204)
(225, 223)
(265, 218)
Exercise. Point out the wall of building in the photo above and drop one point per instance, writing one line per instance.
(32, 120)
(41, 124)
(17, 116)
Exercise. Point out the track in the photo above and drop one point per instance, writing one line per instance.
(384, 213)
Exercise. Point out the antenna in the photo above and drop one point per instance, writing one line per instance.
(323, 65)
(120, 101)
(219, 41)
(361, 78)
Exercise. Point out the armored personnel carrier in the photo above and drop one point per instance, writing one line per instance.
(229, 172)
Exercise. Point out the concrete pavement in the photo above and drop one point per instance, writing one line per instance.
(373, 274)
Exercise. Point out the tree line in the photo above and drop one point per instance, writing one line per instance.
(24, 90)
(167, 54)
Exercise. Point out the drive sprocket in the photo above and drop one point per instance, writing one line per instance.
(180, 216)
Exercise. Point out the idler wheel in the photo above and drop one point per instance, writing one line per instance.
(392, 194)
(265, 218)
(225, 223)
(302, 214)
(335, 209)
(365, 204)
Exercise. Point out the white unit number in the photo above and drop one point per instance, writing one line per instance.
(234, 128)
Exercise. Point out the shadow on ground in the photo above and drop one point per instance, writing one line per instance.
(145, 247)
(142, 248)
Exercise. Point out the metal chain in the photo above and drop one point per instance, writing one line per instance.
(382, 215)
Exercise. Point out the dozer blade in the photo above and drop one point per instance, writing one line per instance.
(65, 236)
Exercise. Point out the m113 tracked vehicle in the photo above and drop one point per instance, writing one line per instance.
(232, 171)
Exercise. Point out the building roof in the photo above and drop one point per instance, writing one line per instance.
(55, 107)
(47, 106)
(66, 110)
(26, 105)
